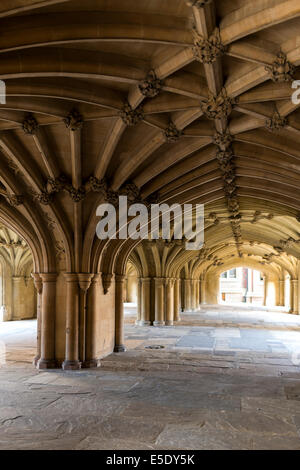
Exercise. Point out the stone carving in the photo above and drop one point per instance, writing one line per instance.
(233, 205)
(55, 185)
(276, 122)
(172, 134)
(74, 120)
(218, 107)
(106, 282)
(131, 116)
(214, 218)
(258, 215)
(223, 140)
(50, 222)
(131, 191)
(281, 70)
(224, 157)
(205, 50)
(268, 257)
(44, 198)
(77, 194)
(30, 124)
(151, 86)
(230, 189)
(14, 200)
(287, 243)
(95, 185)
(197, 3)
(112, 197)
(59, 250)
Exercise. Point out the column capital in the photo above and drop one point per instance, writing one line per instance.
(96, 277)
(170, 282)
(106, 281)
(38, 283)
(120, 277)
(71, 277)
(145, 279)
(48, 277)
(85, 280)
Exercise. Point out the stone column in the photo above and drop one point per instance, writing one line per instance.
(119, 313)
(203, 289)
(169, 302)
(187, 294)
(16, 298)
(193, 295)
(91, 319)
(197, 282)
(281, 292)
(71, 361)
(294, 296)
(85, 280)
(265, 290)
(159, 301)
(177, 300)
(131, 286)
(47, 359)
(38, 284)
(139, 301)
(145, 301)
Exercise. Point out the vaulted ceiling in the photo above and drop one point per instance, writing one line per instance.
(189, 100)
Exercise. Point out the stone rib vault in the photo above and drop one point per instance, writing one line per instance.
(160, 100)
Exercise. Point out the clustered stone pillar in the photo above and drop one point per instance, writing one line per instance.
(47, 359)
(202, 291)
(281, 292)
(159, 302)
(90, 349)
(177, 300)
(72, 323)
(85, 280)
(265, 290)
(119, 313)
(194, 292)
(187, 294)
(16, 290)
(294, 296)
(139, 301)
(38, 283)
(169, 302)
(145, 301)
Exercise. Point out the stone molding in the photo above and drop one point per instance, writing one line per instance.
(207, 51)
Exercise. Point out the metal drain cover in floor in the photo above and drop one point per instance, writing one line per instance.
(155, 346)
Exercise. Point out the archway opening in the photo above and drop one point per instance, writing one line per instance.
(246, 286)
(130, 292)
(18, 299)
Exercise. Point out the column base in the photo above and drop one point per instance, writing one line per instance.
(36, 360)
(169, 323)
(46, 364)
(91, 364)
(71, 365)
(119, 348)
(144, 323)
(158, 323)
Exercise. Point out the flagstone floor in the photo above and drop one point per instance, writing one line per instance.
(224, 378)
